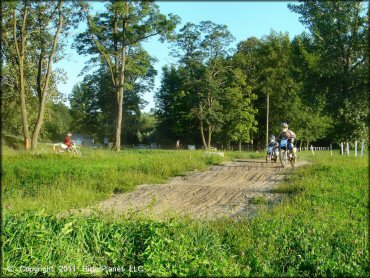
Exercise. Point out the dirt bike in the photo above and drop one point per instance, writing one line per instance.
(286, 152)
(272, 152)
(62, 148)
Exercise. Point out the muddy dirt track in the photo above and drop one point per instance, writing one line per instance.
(228, 190)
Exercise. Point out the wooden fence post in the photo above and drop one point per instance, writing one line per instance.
(331, 150)
(312, 150)
(356, 148)
(341, 148)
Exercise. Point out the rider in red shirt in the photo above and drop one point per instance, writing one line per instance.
(68, 141)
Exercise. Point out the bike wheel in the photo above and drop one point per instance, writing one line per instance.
(283, 157)
(77, 152)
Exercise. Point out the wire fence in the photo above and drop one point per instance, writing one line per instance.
(357, 149)
(242, 147)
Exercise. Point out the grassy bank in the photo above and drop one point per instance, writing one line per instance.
(321, 229)
(53, 183)
(34, 181)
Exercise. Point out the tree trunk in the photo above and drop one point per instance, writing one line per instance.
(267, 119)
(120, 92)
(20, 50)
(117, 122)
(43, 89)
(40, 119)
(209, 136)
(119, 119)
(308, 145)
(25, 128)
(202, 134)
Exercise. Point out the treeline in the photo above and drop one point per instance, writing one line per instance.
(33, 36)
(317, 81)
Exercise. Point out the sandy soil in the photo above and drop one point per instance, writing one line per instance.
(228, 190)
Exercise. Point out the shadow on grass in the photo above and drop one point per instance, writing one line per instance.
(12, 141)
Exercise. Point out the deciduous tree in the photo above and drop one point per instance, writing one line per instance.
(110, 33)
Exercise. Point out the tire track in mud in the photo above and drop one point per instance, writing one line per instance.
(223, 191)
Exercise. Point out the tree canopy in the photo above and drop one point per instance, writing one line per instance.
(212, 95)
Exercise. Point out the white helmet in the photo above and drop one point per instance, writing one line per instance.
(284, 125)
(69, 134)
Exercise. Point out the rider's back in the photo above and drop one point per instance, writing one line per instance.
(287, 134)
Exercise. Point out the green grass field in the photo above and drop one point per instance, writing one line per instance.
(321, 228)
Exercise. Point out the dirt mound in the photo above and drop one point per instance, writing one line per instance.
(228, 190)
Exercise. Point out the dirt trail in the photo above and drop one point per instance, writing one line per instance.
(227, 190)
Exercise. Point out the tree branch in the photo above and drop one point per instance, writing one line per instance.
(15, 35)
(50, 62)
(103, 54)
(24, 38)
(143, 38)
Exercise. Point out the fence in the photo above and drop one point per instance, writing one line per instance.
(244, 147)
(247, 147)
(345, 148)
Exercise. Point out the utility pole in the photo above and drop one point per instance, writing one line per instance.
(267, 119)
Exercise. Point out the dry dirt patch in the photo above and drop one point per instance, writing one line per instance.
(227, 190)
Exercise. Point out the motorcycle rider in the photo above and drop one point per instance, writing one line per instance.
(273, 144)
(68, 141)
(287, 134)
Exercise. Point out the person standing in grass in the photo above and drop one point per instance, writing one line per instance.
(106, 142)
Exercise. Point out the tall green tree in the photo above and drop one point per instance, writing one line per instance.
(172, 108)
(204, 48)
(338, 32)
(207, 91)
(268, 63)
(238, 103)
(110, 33)
(33, 41)
(91, 100)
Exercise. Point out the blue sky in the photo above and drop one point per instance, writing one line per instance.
(244, 20)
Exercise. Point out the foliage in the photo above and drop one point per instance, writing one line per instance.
(336, 54)
(32, 44)
(205, 92)
(115, 35)
(91, 100)
(57, 122)
(172, 108)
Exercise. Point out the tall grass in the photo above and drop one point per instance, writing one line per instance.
(34, 181)
(321, 229)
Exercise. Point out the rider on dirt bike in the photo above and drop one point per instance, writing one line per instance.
(272, 150)
(273, 144)
(287, 135)
(68, 141)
